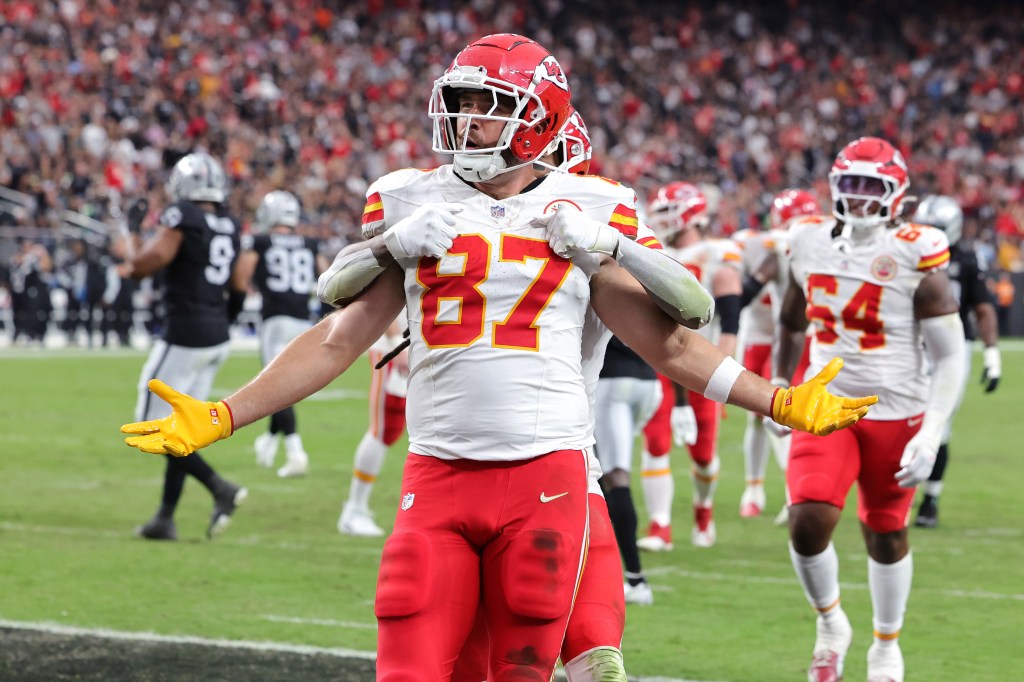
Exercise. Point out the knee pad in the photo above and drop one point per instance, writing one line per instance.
(394, 418)
(659, 441)
(405, 570)
(815, 488)
(539, 574)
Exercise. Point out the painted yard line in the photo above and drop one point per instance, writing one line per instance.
(320, 621)
(770, 580)
(56, 629)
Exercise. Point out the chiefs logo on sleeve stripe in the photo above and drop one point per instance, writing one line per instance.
(933, 261)
(624, 220)
(374, 210)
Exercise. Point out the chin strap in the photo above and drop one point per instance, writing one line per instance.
(478, 168)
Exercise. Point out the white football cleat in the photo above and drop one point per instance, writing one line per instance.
(295, 466)
(752, 502)
(358, 522)
(830, 647)
(298, 460)
(885, 662)
(266, 445)
(639, 594)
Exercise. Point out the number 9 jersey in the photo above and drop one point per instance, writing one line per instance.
(860, 306)
(496, 325)
(196, 280)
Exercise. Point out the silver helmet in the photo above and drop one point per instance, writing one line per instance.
(277, 208)
(942, 212)
(197, 177)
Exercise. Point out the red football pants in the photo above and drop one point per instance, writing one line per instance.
(509, 536)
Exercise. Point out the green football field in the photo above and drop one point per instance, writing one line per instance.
(71, 493)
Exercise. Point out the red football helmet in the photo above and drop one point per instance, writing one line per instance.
(678, 206)
(510, 66)
(789, 204)
(868, 182)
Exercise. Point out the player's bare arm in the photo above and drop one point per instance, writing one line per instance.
(241, 276)
(791, 331)
(727, 288)
(695, 363)
(310, 362)
(155, 254)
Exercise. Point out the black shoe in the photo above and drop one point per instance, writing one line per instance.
(225, 500)
(928, 513)
(158, 528)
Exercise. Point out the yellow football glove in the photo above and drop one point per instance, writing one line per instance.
(193, 424)
(810, 407)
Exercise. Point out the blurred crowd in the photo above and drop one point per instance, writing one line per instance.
(99, 98)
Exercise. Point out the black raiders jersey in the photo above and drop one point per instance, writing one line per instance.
(967, 280)
(286, 272)
(622, 361)
(196, 281)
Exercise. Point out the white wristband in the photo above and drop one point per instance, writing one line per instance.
(721, 381)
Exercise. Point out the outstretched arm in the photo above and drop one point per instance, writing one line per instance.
(307, 364)
(690, 360)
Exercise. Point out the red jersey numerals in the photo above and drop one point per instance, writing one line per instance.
(861, 312)
(443, 329)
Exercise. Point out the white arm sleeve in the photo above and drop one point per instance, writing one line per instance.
(944, 343)
(348, 275)
(669, 282)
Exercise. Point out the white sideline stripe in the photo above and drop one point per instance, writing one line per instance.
(55, 629)
(769, 580)
(320, 621)
(301, 649)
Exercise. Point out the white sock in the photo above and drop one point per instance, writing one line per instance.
(581, 669)
(819, 575)
(780, 447)
(368, 461)
(755, 450)
(659, 488)
(933, 488)
(705, 480)
(890, 590)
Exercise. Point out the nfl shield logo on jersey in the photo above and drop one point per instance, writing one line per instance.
(407, 500)
(497, 212)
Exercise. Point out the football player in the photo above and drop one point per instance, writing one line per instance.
(680, 215)
(284, 266)
(875, 293)
(494, 503)
(967, 275)
(196, 246)
(766, 273)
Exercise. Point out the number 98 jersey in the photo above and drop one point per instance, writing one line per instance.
(196, 280)
(285, 273)
(860, 306)
(496, 325)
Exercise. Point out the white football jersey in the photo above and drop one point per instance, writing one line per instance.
(496, 326)
(860, 307)
(757, 322)
(704, 259)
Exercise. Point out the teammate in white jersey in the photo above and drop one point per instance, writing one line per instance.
(490, 512)
(766, 273)
(680, 215)
(874, 291)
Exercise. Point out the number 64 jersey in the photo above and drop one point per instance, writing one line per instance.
(496, 325)
(860, 306)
